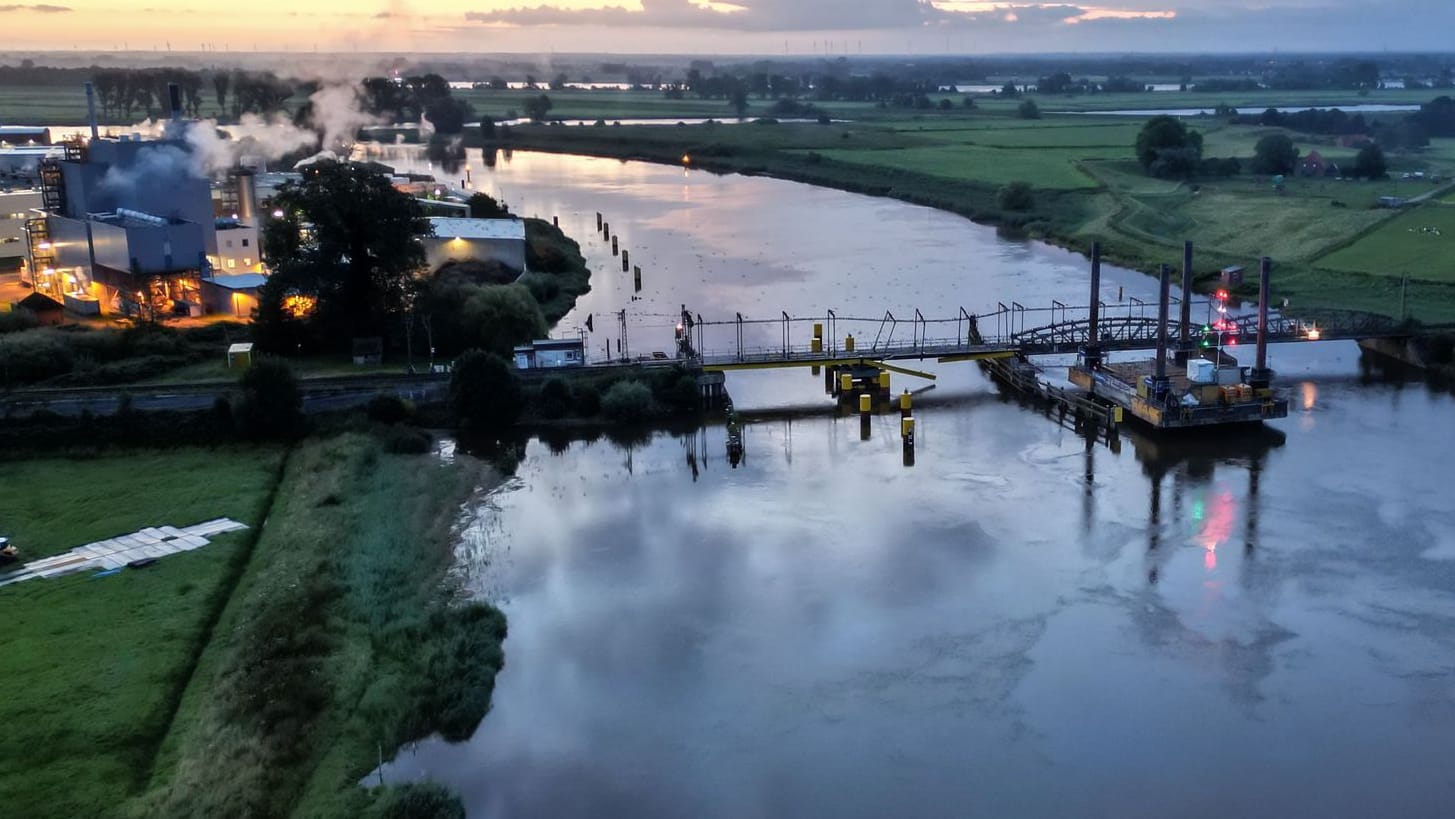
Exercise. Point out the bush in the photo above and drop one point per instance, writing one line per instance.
(407, 441)
(1016, 196)
(271, 405)
(422, 801)
(484, 392)
(388, 409)
(1028, 110)
(627, 402)
(588, 400)
(35, 355)
(17, 320)
(555, 400)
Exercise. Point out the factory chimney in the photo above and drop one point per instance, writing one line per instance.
(91, 109)
(247, 196)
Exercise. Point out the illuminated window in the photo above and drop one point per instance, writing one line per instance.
(231, 263)
(247, 262)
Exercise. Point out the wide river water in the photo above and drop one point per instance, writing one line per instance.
(1021, 624)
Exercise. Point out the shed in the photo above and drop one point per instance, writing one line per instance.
(1232, 275)
(47, 310)
(240, 353)
(465, 240)
(235, 295)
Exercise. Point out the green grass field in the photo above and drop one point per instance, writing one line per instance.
(1049, 168)
(95, 667)
(1419, 243)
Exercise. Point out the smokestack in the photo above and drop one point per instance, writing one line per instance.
(247, 197)
(1164, 297)
(174, 93)
(1185, 339)
(91, 109)
(1260, 377)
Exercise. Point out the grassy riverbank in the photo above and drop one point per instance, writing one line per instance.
(1087, 186)
(95, 668)
(258, 676)
(340, 638)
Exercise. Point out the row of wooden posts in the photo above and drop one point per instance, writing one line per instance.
(616, 250)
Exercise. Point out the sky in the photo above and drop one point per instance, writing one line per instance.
(766, 27)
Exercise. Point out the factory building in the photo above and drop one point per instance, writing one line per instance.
(16, 208)
(128, 227)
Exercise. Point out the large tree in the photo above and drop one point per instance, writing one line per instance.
(1274, 154)
(344, 253)
(1168, 134)
(1370, 162)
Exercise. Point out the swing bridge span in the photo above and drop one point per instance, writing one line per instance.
(1010, 331)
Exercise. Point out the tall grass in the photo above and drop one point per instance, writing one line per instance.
(340, 638)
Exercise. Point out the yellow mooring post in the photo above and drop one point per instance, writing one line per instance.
(846, 383)
(884, 384)
(866, 404)
(849, 343)
(905, 400)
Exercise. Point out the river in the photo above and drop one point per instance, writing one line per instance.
(1019, 624)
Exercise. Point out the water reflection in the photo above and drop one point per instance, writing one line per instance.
(823, 631)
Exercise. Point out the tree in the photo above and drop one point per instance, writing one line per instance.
(738, 98)
(1274, 154)
(1009, 90)
(538, 107)
(270, 407)
(344, 253)
(484, 206)
(487, 129)
(484, 392)
(1165, 133)
(1016, 196)
(1028, 110)
(495, 318)
(447, 115)
(1370, 163)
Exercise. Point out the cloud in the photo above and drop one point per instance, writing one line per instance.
(38, 8)
(822, 15)
(741, 15)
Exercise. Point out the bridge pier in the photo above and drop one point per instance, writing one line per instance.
(1260, 378)
(1091, 350)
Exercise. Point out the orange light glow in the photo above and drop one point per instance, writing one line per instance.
(686, 160)
(299, 305)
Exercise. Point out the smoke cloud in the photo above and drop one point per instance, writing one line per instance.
(335, 112)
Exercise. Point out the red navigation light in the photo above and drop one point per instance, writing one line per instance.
(1222, 295)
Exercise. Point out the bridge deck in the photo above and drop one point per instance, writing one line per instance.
(806, 357)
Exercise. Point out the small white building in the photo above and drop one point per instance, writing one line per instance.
(237, 249)
(475, 240)
(550, 353)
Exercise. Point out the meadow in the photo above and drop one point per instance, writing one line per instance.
(1419, 243)
(95, 667)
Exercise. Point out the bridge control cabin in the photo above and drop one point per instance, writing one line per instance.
(550, 353)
